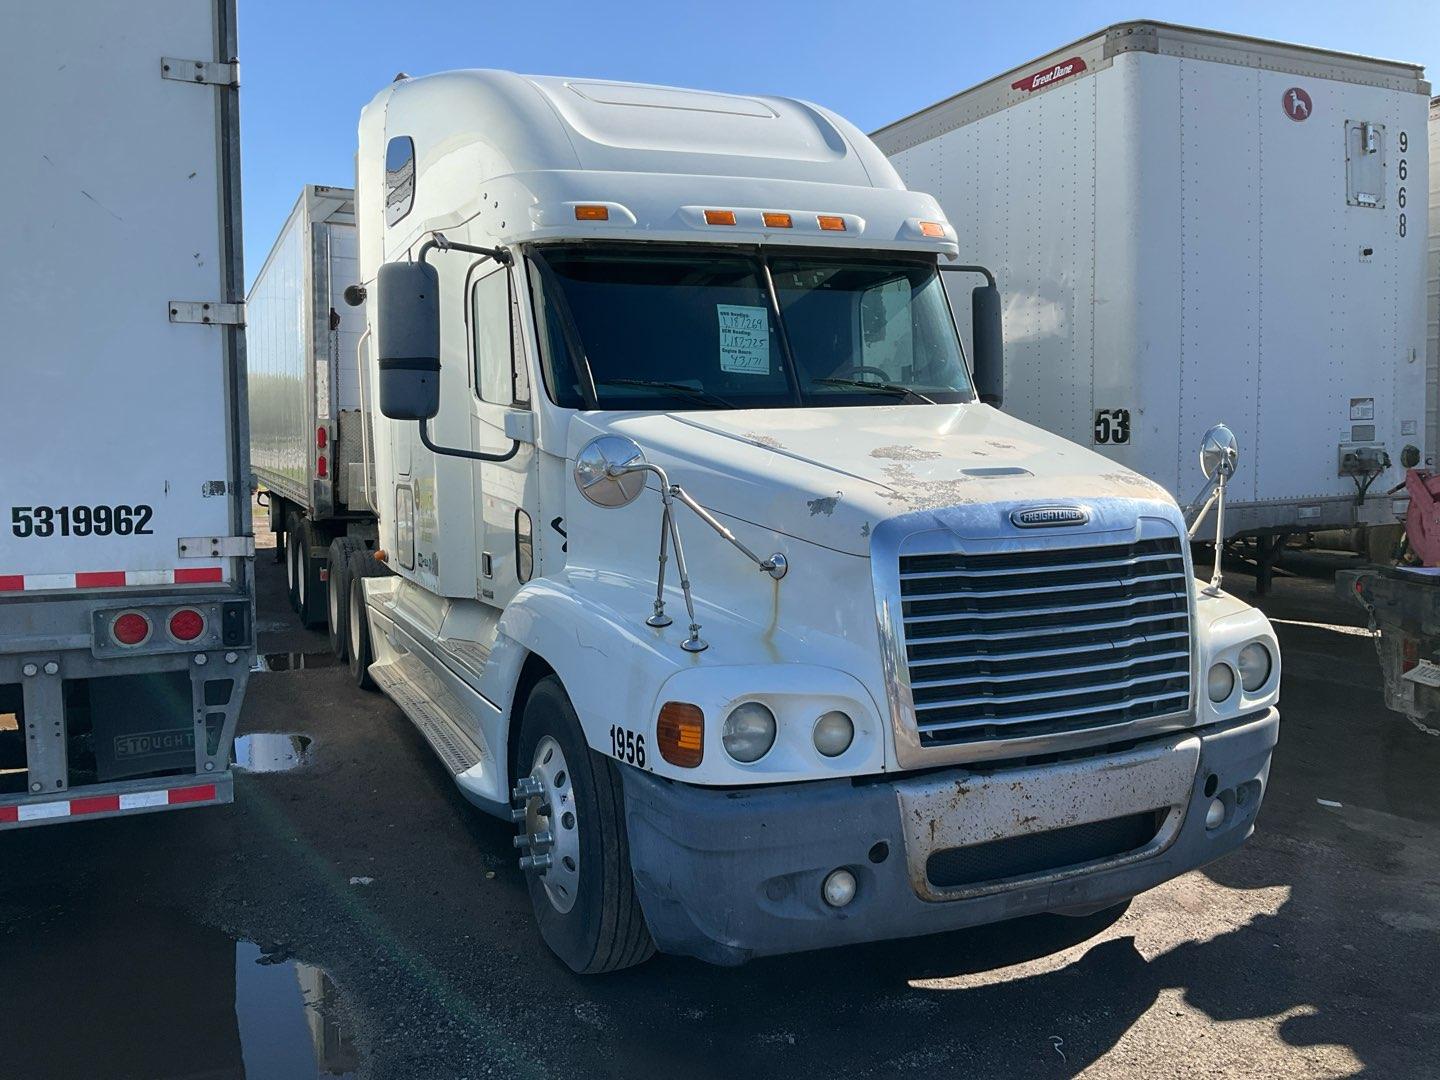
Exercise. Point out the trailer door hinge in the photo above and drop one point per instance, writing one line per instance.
(212, 72)
(206, 311)
(217, 547)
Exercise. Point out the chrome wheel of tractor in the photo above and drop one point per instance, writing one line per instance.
(551, 839)
(570, 810)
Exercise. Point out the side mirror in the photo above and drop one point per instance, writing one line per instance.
(1219, 453)
(408, 340)
(989, 344)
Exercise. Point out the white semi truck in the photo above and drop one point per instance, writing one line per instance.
(1188, 225)
(701, 561)
(126, 629)
(301, 349)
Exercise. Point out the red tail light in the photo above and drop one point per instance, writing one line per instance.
(187, 624)
(131, 628)
(322, 467)
(320, 438)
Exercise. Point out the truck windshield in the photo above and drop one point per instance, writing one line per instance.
(628, 328)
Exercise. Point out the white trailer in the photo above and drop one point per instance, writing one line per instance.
(125, 543)
(701, 561)
(1191, 225)
(306, 445)
(1432, 300)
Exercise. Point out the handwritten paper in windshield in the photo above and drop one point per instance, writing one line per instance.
(744, 339)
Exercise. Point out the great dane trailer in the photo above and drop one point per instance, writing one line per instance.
(1190, 225)
(125, 541)
(301, 342)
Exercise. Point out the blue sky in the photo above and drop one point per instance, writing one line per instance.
(309, 65)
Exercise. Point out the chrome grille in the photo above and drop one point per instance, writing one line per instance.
(1023, 644)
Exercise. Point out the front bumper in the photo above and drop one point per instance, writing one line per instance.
(727, 875)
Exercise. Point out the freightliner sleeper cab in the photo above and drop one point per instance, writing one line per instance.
(702, 559)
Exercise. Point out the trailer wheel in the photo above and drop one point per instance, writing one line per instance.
(337, 594)
(309, 596)
(581, 886)
(292, 560)
(358, 648)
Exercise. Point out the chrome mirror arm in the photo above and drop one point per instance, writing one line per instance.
(775, 566)
(1214, 494)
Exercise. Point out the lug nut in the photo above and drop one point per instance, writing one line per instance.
(518, 814)
(522, 841)
(536, 862)
(543, 839)
(526, 787)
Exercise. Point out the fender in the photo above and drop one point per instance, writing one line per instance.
(611, 665)
(618, 672)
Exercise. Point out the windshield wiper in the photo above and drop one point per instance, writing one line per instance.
(881, 387)
(680, 388)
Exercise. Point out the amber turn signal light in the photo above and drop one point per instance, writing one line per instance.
(680, 731)
(775, 220)
(932, 228)
(719, 217)
(831, 222)
(592, 213)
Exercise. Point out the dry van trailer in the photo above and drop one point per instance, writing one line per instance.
(306, 442)
(126, 594)
(1189, 225)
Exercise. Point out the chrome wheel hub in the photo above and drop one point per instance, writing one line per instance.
(550, 831)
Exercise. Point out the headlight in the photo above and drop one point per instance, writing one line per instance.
(748, 732)
(834, 732)
(1221, 682)
(1255, 666)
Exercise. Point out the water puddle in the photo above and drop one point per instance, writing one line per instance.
(152, 995)
(293, 661)
(271, 752)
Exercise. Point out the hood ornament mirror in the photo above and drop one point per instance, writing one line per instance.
(1219, 455)
(610, 472)
(604, 475)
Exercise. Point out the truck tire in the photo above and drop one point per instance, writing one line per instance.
(585, 902)
(275, 519)
(292, 559)
(310, 590)
(362, 564)
(337, 594)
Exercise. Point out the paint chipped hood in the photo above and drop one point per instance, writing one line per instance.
(829, 476)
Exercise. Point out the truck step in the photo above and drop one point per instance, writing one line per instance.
(432, 709)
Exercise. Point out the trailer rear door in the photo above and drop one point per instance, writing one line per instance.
(121, 407)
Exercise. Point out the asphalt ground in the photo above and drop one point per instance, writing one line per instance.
(1314, 951)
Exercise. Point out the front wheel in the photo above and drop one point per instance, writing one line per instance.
(577, 854)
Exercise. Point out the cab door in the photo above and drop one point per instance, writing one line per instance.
(504, 491)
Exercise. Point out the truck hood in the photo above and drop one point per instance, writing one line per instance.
(828, 476)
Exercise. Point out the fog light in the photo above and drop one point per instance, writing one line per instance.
(1215, 814)
(1254, 663)
(1221, 682)
(748, 732)
(834, 732)
(839, 888)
